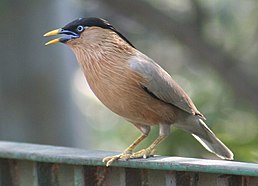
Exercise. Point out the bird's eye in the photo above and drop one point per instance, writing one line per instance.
(80, 28)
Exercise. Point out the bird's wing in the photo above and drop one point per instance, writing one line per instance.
(161, 85)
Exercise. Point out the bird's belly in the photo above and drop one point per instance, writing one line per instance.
(129, 100)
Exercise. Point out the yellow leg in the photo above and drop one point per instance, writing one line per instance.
(127, 152)
(134, 144)
(150, 151)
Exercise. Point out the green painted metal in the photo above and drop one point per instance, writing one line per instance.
(73, 156)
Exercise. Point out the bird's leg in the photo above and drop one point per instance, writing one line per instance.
(164, 131)
(128, 151)
(150, 151)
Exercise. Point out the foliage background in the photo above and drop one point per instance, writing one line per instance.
(208, 46)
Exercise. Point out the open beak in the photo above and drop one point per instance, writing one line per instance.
(68, 36)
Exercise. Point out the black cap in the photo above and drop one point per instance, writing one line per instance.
(93, 21)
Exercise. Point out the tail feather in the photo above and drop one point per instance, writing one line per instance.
(207, 138)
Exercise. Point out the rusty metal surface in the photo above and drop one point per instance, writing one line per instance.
(52, 174)
(52, 154)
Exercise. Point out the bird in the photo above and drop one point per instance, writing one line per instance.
(134, 86)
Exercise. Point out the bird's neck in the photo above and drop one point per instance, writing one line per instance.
(97, 55)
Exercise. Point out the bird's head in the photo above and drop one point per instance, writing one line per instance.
(86, 31)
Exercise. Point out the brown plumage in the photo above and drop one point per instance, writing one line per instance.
(133, 86)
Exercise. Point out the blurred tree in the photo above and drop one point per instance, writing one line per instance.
(35, 101)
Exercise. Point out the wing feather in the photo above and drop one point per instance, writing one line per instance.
(160, 84)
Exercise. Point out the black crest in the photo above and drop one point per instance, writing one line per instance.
(93, 21)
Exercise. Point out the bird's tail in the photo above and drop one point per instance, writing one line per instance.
(207, 138)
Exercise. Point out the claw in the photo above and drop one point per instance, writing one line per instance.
(144, 153)
(110, 159)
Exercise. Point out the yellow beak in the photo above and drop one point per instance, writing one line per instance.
(52, 33)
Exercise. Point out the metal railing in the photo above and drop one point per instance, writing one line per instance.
(42, 165)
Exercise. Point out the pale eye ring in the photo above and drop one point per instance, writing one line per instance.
(80, 28)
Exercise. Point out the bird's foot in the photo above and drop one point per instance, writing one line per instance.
(110, 159)
(144, 153)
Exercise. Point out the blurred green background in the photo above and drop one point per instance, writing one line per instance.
(210, 47)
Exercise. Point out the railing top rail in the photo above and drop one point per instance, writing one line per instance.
(65, 155)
